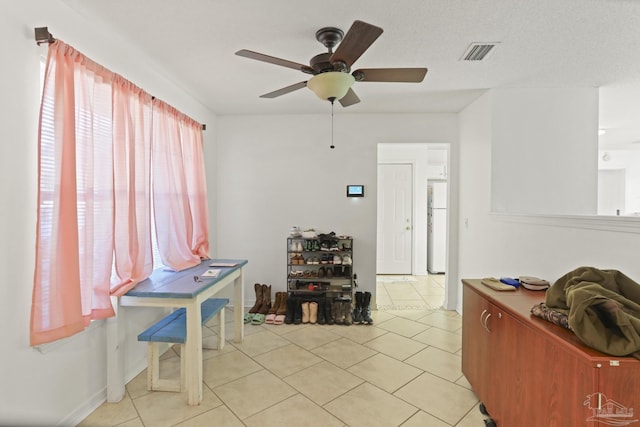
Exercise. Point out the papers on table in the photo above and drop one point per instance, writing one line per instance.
(211, 273)
(223, 264)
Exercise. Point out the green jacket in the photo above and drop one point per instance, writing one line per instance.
(603, 307)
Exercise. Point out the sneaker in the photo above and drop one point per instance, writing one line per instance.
(333, 246)
(299, 247)
(293, 246)
(324, 246)
(324, 259)
(346, 260)
(337, 259)
(309, 234)
(294, 231)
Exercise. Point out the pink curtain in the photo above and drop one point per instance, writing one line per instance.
(103, 144)
(132, 185)
(74, 230)
(178, 169)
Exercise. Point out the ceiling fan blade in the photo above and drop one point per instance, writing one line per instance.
(273, 60)
(357, 40)
(349, 99)
(403, 75)
(284, 90)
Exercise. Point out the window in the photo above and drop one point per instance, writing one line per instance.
(108, 154)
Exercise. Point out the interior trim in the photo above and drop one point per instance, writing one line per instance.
(622, 224)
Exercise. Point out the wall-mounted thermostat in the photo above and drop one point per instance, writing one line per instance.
(355, 190)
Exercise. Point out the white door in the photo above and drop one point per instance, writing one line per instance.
(394, 219)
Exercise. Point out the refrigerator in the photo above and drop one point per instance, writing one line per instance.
(436, 227)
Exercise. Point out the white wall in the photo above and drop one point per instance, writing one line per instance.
(64, 384)
(509, 245)
(544, 150)
(278, 171)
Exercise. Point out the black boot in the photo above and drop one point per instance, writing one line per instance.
(288, 318)
(357, 312)
(321, 317)
(328, 317)
(366, 309)
(297, 311)
(336, 311)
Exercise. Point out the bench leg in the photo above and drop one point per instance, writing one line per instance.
(154, 382)
(153, 365)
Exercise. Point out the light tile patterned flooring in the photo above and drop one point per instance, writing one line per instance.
(404, 370)
(400, 292)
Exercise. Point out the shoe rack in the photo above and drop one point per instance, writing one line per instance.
(320, 266)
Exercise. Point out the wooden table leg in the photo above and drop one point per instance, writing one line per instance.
(193, 353)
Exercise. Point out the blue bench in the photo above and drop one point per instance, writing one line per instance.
(172, 329)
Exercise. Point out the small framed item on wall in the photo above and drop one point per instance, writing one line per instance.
(355, 190)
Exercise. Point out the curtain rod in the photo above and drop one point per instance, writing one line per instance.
(43, 35)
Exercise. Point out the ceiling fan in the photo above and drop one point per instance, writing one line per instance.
(332, 77)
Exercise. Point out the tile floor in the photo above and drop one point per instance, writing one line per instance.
(401, 292)
(404, 370)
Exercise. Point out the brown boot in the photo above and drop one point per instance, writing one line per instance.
(281, 311)
(256, 306)
(266, 299)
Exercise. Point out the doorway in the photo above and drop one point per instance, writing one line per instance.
(405, 171)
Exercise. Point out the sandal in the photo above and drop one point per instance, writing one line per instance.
(258, 319)
(248, 317)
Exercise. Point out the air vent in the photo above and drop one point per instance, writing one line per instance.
(478, 51)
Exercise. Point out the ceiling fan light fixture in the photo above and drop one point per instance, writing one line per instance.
(331, 85)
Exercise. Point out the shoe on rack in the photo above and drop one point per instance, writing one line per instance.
(337, 259)
(336, 311)
(299, 247)
(357, 311)
(325, 246)
(346, 309)
(288, 318)
(316, 245)
(297, 310)
(324, 259)
(294, 231)
(309, 234)
(321, 316)
(333, 246)
(313, 312)
(346, 260)
(329, 272)
(305, 312)
(366, 309)
(328, 308)
(321, 272)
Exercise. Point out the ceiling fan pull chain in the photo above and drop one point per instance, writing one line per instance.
(332, 146)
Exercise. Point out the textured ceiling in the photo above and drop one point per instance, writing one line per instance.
(543, 43)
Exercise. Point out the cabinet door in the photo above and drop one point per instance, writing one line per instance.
(542, 382)
(475, 342)
(617, 393)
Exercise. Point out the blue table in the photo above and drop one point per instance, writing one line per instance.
(179, 289)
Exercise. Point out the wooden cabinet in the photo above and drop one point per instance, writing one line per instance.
(530, 372)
